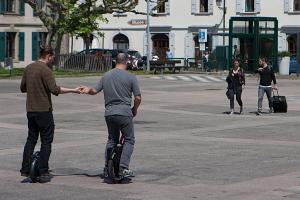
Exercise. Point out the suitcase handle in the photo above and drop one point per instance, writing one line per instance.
(274, 93)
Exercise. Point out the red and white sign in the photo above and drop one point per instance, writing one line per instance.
(138, 22)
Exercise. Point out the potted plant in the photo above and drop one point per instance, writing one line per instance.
(284, 62)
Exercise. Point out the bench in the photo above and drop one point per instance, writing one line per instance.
(159, 65)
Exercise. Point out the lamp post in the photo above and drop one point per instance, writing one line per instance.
(224, 29)
(148, 35)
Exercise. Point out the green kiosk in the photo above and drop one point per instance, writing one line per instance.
(252, 37)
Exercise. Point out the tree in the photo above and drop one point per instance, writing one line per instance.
(55, 15)
(83, 21)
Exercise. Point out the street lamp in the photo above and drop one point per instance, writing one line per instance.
(148, 35)
(224, 29)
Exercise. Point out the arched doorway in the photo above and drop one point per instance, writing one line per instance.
(292, 43)
(120, 41)
(160, 45)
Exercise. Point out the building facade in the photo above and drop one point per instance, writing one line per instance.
(176, 25)
(21, 32)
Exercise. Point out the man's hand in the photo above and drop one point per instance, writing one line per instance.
(260, 69)
(84, 89)
(134, 111)
(275, 87)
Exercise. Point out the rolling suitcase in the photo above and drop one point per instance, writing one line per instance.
(279, 103)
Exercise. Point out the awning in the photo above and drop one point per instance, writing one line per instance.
(160, 29)
(210, 29)
(290, 29)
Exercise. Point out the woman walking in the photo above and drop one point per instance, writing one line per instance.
(235, 80)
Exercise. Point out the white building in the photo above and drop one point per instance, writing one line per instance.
(176, 27)
(177, 24)
(20, 32)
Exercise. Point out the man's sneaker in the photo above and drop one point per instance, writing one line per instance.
(45, 174)
(123, 173)
(231, 112)
(271, 111)
(24, 174)
(259, 113)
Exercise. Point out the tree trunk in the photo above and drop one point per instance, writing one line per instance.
(57, 48)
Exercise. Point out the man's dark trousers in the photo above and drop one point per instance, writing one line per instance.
(39, 123)
(115, 124)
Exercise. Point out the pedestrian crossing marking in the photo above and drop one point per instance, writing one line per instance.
(189, 78)
(198, 78)
(184, 78)
(170, 78)
(213, 78)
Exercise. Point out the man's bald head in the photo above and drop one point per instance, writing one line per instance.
(122, 59)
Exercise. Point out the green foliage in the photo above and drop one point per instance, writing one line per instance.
(284, 54)
(81, 19)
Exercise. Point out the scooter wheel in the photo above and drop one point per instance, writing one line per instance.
(34, 171)
(111, 170)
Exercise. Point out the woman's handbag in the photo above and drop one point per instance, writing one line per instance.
(228, 94)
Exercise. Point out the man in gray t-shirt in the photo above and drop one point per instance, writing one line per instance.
(118, 86)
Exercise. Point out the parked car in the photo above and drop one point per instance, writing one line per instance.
(294, 64)
(79, 59)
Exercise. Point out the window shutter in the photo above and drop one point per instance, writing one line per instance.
(35, 45)
(21, 45)
(198, 6)
(188, 45)
(238, 6)
(194, 7)
(210, 6)
(172, 43)
(286, 6)
(22, 8)
(257, 6)
(167, 7)
(2, 6)
(2, 46)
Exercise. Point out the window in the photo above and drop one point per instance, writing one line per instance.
(249, 6)
(161, 6)
(296, 5)
(203, 5)
(10, 45)
(11, 6)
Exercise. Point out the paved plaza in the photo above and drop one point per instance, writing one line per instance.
(187, 147)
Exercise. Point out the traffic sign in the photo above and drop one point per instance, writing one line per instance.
(202, 35)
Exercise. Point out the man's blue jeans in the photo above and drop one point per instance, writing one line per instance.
(261, 92)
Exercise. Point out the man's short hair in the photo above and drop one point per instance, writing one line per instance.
(46, 50)
(122, 58)
(236, 60)
(263, 58)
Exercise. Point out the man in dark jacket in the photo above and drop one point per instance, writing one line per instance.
(38, 82)
(265, 84)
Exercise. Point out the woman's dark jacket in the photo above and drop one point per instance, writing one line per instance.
(235, 82)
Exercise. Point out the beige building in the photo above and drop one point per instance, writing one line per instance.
(177, 23)
(175, 26)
